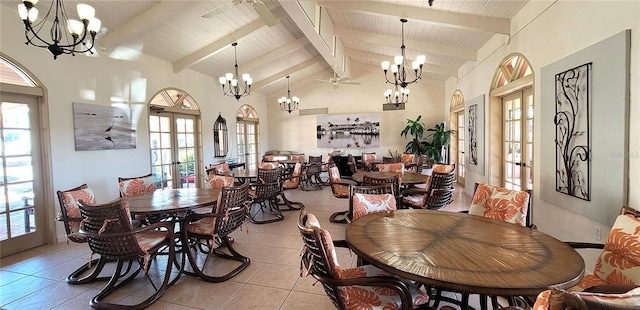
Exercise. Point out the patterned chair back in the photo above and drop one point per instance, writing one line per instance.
(269, 165)
(298, 157)
(219, 181)
(407, 159)
(394, 167)
(70, 212)
(136, 185)
(367, 199)
(219, 168)
(294, 181)
(502, 204)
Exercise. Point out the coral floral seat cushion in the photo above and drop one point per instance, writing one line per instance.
(339, 190)
(619, 262)
(557, 299)
(294, 181)
(395, 167)
(137, 186)
(364, 204)
(269, 165)
(362, 297)
(219, 181)
(70, 201)
(500, 203)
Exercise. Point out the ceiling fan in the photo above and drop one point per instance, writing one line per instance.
(337, 81)
(258, 6)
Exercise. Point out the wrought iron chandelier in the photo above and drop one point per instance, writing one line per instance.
(397, 97)
(288, 103)
(233, 89)
(74, 40)
(403, 75)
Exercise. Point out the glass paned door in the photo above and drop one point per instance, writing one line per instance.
(173, 150)
(248, 135)
(22, 221)
(518, 140)
(461, 144)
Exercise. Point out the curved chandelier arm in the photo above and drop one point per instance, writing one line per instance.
(402, 74)
(288, 103)
(233, 87)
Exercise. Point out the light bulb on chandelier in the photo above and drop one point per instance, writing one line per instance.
(230, 86)
(397, 97)
(78, 30)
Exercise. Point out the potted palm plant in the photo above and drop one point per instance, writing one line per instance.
(432, 145)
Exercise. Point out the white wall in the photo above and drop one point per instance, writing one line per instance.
(132, 77)
(298, 133)
(544, 32)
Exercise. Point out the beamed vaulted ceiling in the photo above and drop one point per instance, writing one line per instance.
(308, 41)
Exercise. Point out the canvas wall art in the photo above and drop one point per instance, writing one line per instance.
(348, 130)
(102, 127)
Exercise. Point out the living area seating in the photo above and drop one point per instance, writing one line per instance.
(340, 189)
(437, 191)
(290, 181)
(110, 234)
(560, 299)
(264, 206)
(363, 287)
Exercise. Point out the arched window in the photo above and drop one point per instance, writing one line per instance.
(512, 92)
(458, 124)
(174, 139)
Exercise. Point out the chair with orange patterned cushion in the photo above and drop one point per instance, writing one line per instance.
(363, 287)
(218, 181)
(394, 181)
(290, 181)
(437, 192)
(136, 185)
(269, 165)
(110, 234)
(368, 160)
(219, 168)
(340, 189)
(70, 215)
(556, 299)
(368, 199)
(298, 157)
(409, 161)
(207, 235)
(502, 204)
(393, 167)
(617, 268)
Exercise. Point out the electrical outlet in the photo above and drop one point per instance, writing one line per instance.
(598, 233)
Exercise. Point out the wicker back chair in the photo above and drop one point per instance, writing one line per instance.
(290, 181)
(363, 284)
(437, 193)
(70, 216)
(315, 159)
(264, 197)
(110, 234)
(208, 234)
(394, 181)
(340, 189)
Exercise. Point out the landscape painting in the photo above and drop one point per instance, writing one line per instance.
(102, 127)
(348, 130)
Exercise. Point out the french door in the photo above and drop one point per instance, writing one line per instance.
(22, 213)
(173, 144)
(461, 143)
(518, 140)
(248, 148)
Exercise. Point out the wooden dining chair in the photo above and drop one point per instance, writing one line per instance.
(339, 189)
(263, 196)
(362, 287)
(394, 181)
(291, 181)
(70, 216)
(110, 234)
(207, 235)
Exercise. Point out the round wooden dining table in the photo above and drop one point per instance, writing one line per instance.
(465, 253)
(408, 177)
(172, 200)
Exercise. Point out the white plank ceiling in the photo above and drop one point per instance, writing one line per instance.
(449, 33)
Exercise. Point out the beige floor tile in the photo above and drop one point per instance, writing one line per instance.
(306, 301)
(257, 297)
(277, 276)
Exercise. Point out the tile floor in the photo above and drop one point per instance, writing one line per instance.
(35, 279)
